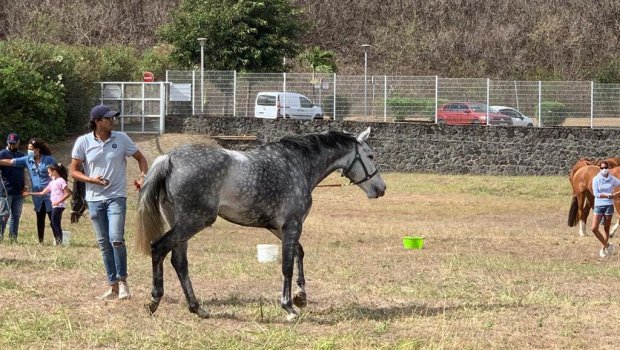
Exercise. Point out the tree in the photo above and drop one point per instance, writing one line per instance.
(31, 104)
(319, 60)
(242, 35)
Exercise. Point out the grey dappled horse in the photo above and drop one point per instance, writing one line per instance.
(268, 187)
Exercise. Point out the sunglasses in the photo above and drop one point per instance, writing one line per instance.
(604, 167)
(109, 118)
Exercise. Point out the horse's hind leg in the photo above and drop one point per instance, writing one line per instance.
(179, 261)
(161, 248)
(158, 254)
(300, 297)
(585, 204)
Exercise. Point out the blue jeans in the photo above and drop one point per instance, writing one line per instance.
(16, 203)
(108, 217)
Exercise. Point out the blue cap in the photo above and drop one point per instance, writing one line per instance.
(13, 138)
(102, 111)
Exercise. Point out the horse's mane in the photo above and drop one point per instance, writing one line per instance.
(312, 143)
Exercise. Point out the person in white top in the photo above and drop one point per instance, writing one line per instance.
(103, 153)
(603, 190)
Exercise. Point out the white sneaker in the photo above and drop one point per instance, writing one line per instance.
(123, 290)
(611, 249)
(108, 295)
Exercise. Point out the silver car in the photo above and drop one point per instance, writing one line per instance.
(518, 118)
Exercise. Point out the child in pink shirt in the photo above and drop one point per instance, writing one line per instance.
(59, 192)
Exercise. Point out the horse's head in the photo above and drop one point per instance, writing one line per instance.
(362, 170)
(78, 203)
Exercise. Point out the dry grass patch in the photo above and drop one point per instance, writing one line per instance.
(500, 269)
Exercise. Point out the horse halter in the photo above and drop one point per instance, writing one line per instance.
(358, 158)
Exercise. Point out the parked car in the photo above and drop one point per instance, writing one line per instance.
(273, 105)
(518, 118)
(470, 113)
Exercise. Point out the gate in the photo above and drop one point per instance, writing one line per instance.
(142, 106)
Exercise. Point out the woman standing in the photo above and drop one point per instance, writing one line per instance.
(38, 159)
(603, 187)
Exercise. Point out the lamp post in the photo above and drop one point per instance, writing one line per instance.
(366, 47)
(202, 73)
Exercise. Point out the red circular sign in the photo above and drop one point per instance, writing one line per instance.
(148, 77)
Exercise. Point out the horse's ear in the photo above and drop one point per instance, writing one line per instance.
(363, 136)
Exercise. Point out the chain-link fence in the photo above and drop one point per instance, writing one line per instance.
(395, 98)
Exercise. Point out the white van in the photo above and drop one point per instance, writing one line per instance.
(285, 104)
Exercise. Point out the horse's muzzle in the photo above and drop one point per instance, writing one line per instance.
(377, 192)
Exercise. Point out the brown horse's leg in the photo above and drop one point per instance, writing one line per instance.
(613, 230)
(179, 261)
(585, 211)
(582, 211)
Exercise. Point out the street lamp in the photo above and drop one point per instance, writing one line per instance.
(366, 47)
(202, 72)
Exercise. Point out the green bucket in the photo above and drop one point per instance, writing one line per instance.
(410, 242)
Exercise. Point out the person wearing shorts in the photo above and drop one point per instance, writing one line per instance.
(603, 189)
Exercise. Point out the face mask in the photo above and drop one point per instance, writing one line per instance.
(604, 172)
(31, 153)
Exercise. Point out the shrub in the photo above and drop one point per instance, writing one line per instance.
(402, 107)
(74, 72)
(553, 113)
(343, 106)
(32, 104)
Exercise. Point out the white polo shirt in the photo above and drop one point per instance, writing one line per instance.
(107, 159)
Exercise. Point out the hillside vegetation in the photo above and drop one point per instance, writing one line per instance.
(518, 39)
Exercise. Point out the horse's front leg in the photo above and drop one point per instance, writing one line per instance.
(179, 261)
(290, 240)
(613, 230)
(300, 296)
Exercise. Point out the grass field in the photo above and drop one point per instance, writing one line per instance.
(500, 269)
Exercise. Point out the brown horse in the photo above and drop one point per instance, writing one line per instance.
(583, 199)
(581, 177)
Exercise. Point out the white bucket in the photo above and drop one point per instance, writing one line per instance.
(267, 252)
(66, 237)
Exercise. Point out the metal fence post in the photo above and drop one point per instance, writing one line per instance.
(235, 93)
(540, 103)
(334, 96)
(385, 98)
(193, 92)
(488, 102)
(162, 107)
(284, 103)
(591, 105)
(166, 91)
(436, 95)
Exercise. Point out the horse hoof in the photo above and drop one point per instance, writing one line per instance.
(200, 312)
(300, 300)
(152, 306)
(291, 317)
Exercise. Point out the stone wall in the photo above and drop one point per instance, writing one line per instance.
(408, 147)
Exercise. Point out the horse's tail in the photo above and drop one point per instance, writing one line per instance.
(150, 219)
(572, 212)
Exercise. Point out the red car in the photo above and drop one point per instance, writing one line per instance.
(454, 113)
